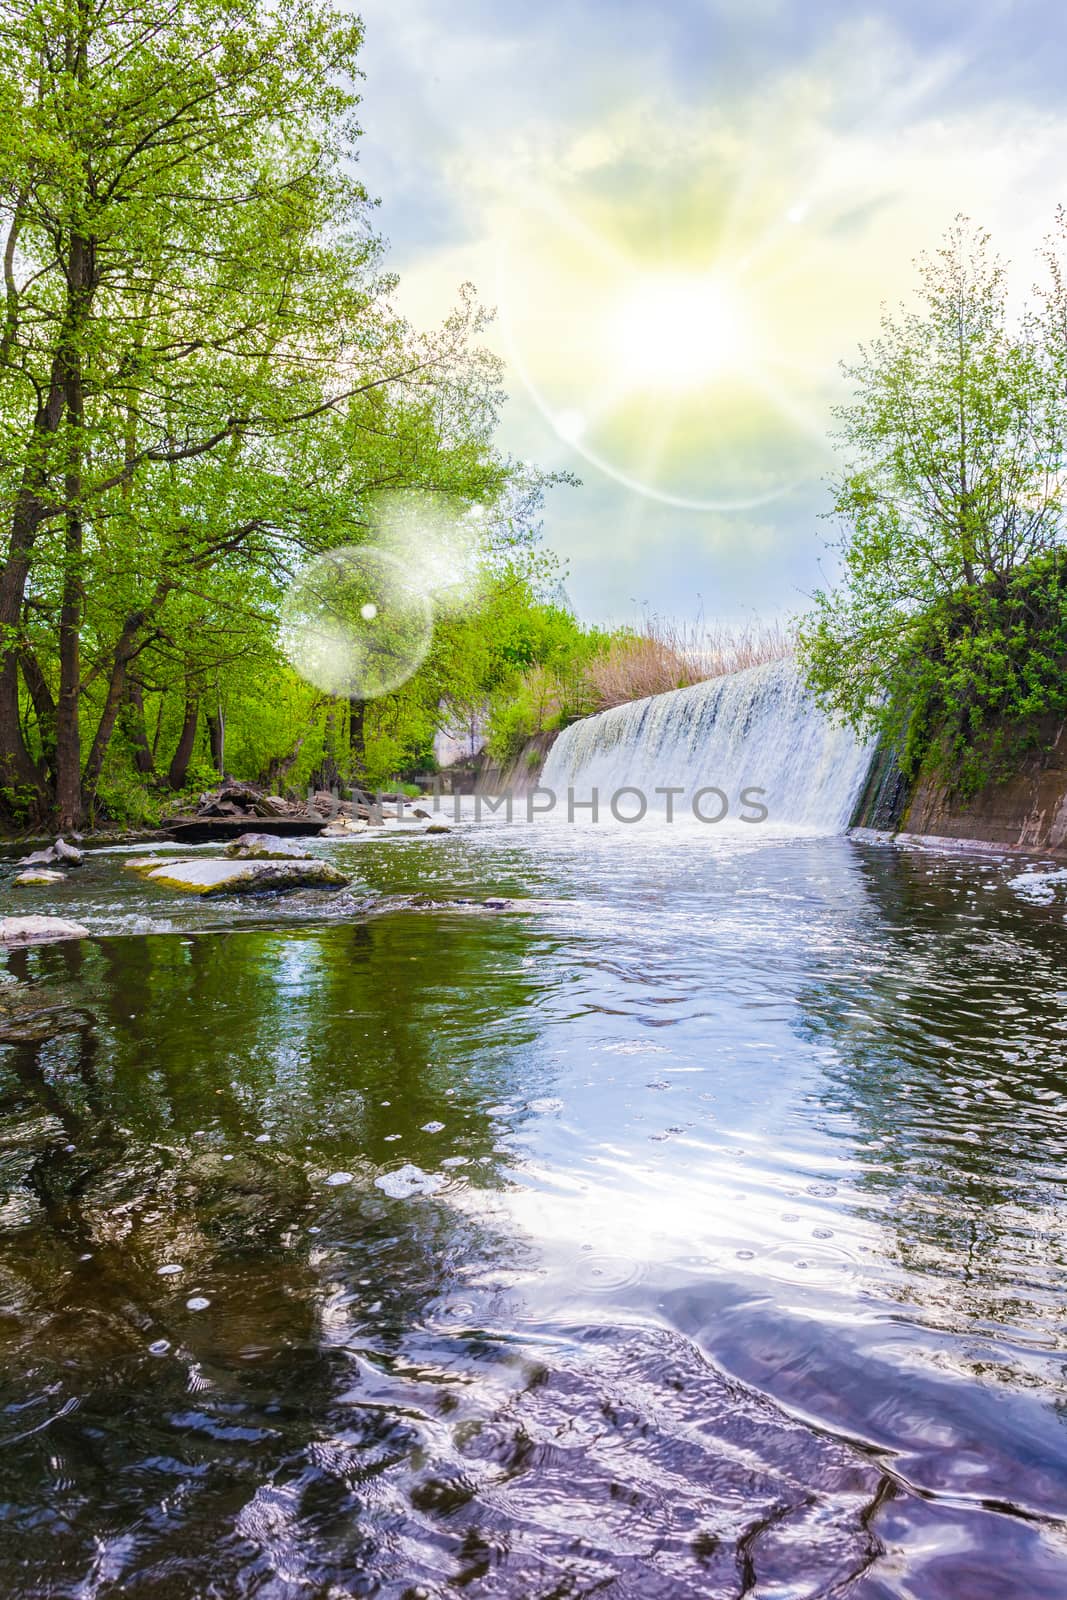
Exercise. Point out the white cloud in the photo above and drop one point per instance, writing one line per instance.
(819, 181)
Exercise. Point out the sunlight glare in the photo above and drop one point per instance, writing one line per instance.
(679, 331)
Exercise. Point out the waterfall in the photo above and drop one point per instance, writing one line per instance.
(757, 729)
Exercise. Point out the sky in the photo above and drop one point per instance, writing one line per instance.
(686, 217)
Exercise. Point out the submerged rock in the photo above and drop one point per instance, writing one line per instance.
(38, 930)
(40, 875)
(437, 827)
(245, 877)
(265, 847)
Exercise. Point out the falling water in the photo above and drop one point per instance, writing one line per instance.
(758, 729)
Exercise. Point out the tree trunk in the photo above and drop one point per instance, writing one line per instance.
(329, 773)
(179, 767)
(281, 766)
(357, 738)
(68, 734)
(17, 767)
(44, 709)
(216, 732)
(125, 650)
(81, 285)
(133, 726)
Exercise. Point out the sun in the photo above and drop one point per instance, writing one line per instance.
(674, 330)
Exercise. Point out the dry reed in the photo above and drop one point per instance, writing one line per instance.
(664, 655)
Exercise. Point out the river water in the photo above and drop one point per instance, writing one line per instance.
(733, 1263)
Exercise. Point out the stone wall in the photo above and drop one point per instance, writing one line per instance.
(1025, 812)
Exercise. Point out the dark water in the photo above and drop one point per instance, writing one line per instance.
(741, 1273)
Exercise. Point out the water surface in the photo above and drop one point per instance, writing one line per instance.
(739, 1269)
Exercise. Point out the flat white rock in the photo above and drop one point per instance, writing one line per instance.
(212, 876)
(39, 930)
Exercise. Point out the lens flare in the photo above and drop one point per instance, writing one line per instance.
(355, 623)
(439, 540)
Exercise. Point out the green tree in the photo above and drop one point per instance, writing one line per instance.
(951, 501)
(201, 375)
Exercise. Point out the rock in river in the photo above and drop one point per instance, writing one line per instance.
(38, 930)
(265, 847)
(39, 875)
(60, 851)
(245, 877)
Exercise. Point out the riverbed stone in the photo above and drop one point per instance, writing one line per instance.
(216, 876)
(265, 847)
(60, 851)
(38, 930)
(39, 875)
(342, 827)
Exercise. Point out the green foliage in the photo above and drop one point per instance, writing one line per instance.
(990, 664)
(945, 633)
(547, 687)
(19, 804)
(203, 382)
(124, 800)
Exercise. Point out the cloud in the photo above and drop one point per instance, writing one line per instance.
(800, 155)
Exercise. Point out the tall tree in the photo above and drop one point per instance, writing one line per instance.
(201, 375)
(955, 443)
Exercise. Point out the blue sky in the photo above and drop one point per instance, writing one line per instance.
(587, 165)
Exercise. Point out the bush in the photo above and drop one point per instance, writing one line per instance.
(984, 667)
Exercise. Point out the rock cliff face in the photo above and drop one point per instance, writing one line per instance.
(1025, 812)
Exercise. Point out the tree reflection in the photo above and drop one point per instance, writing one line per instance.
(946, 1054)
(182, 1104)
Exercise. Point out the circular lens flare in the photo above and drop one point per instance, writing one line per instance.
(354, 624)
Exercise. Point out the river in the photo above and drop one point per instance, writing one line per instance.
(733, 1263)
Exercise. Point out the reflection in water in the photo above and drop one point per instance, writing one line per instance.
(948, 1054)
(744, 1274)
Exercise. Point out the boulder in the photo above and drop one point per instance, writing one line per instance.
(265, 847)
(437, 827)
(341, 826)
(206, 877)
(38, 930)
(60, 851)
(40, 875)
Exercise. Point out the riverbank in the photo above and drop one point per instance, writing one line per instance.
(1025, 813)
